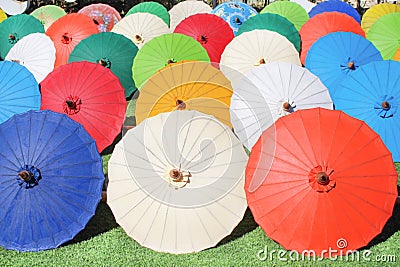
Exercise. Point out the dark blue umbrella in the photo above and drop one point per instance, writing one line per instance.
(335, 55)
(335, 6)
(51, 179)
(19, 90)
(372, 94)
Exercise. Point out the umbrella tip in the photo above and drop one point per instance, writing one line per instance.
(24, 175)
(351, 65)
(286, 106)
(385, 105)
(138, 39)
(180, 104)
(262, 61)
(322, 178)
(66, 38)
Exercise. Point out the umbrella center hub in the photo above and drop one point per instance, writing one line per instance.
(170, 61)
(66, 38)
(13, 38)
(387, 107)
(72, 105)
(180, 104)
(287, 107)
(179, 178)
(321, 180)
(138, 39)
(262, 61)
(29, 176)
(237, 21)
(203, 39)
(105, 62)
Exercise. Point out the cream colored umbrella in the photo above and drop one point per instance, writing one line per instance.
(176, 182)
(36, 52)
(254, 48)
(140, 28)
(14, 7)
(185, 9)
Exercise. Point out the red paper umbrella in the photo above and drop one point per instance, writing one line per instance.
(104, 16)
(321, 180)
(89, 94)
(322, 24)
(211, 31)
(67, 31)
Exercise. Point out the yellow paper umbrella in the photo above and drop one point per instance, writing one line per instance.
(186, 85)
(375, 12)
(3, 15)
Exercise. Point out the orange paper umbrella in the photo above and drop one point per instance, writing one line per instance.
(321, 180)
(67, 32)
(322, 24)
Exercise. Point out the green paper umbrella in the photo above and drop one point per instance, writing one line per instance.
(385, 35)
(275, 23)
(14, 28)
(48, 14)
(105, 48)
(153, 8)
(163, 50)
(290, 10)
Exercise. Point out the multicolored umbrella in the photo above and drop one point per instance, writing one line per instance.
(275, 23)
(67, 32)
(333, 56)
(290, 10)
(141, 28)
(186, 86)
(36, 52)
(322, 24)
(269, 92)
(51, 180)
(328, 184)
(151, 7)
(385, 34)
(3, 15)
(89, 94)
(162, 51)
(103, 15)
(105, 48)
(48, 14)
(176, 182)
(234, 13)
(185, 9)
(19, 91)
(14, 28)
(375, 12)
(211, 31)
(335, 6)
(14, 7)
(372, 94)
(254, 48)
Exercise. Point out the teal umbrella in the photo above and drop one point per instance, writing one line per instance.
(151, 7)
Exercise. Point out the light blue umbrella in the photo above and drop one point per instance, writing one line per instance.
(19, 91)
(372, 94)
(335, 6)
(235, 13)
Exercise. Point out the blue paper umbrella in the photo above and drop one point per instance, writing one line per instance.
(335, 55)
(235, 13)
(372, 94)
(51, 179)
(19, 91)
(335, 6)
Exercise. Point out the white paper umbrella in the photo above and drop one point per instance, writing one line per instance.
(254, 48)
(176, 182)
(141, 27)
(13, 7)
(271, 91)
(185, 9)
(36, 52)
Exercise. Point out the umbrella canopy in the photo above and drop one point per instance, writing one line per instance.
(271, 91)
(371, 94)
(141, 28)
(51, 179)
(190, 86)
(329, 184)
(3, 15)
(89, 94)
(14, 7)
(103, 15)
(151, 7)
(290, 10)
(397, 55)
(375, 12)
(48, 14)
(19, 91)
(36, 52)
(251, 49)
(185, 9)
(162, 51)
(105, 48)
(211, 31)
(385, 34)
(275, 23)
(335, 55)
(322, 24)
(14, 28)
(67, 32)
(234, 13)
(335, 6)
(176, 182)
